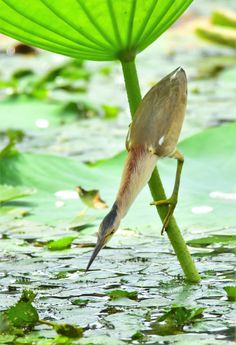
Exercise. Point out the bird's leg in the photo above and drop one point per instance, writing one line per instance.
(172, 201)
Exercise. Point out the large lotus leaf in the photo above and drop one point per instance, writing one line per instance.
(208, 185)
(26, 113)
(91, 29)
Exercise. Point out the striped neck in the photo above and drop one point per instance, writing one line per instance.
(138, 169)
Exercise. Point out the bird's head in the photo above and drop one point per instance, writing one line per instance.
(107, 228)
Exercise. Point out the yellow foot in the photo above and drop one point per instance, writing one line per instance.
(171, 202)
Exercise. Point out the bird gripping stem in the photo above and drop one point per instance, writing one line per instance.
(155, 184)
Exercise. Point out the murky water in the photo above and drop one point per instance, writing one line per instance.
(142, 264)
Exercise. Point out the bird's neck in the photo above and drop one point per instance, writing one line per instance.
(139, 165)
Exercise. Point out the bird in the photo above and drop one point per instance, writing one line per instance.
(152, 135)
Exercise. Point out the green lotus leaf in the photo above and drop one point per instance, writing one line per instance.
(91, 29)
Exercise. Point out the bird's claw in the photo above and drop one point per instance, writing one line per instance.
(171, 202)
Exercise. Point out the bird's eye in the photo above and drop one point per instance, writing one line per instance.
(112, 231)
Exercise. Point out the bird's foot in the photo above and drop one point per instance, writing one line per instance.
(171, 202)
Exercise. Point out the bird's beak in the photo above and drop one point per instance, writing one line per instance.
(104, 234)
(100, 244)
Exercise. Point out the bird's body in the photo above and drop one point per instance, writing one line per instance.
(159, 118)
(153, 134)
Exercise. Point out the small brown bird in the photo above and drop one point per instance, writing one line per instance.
(153, 134)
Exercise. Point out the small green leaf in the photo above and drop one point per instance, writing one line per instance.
(231, 292)
(110, 112)
(205, 241)
(80, 302)
(180, 315)
(67, 330)
(8, 192)
(14, 136)
(138, 336)
(116, 294)
(71, 70)
(23, 314)
(61, 275)
(60, 244)
(23, 281)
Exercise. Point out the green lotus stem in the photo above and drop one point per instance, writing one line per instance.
(155, 184)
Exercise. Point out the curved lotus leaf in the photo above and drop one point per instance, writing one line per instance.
(91, 29)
